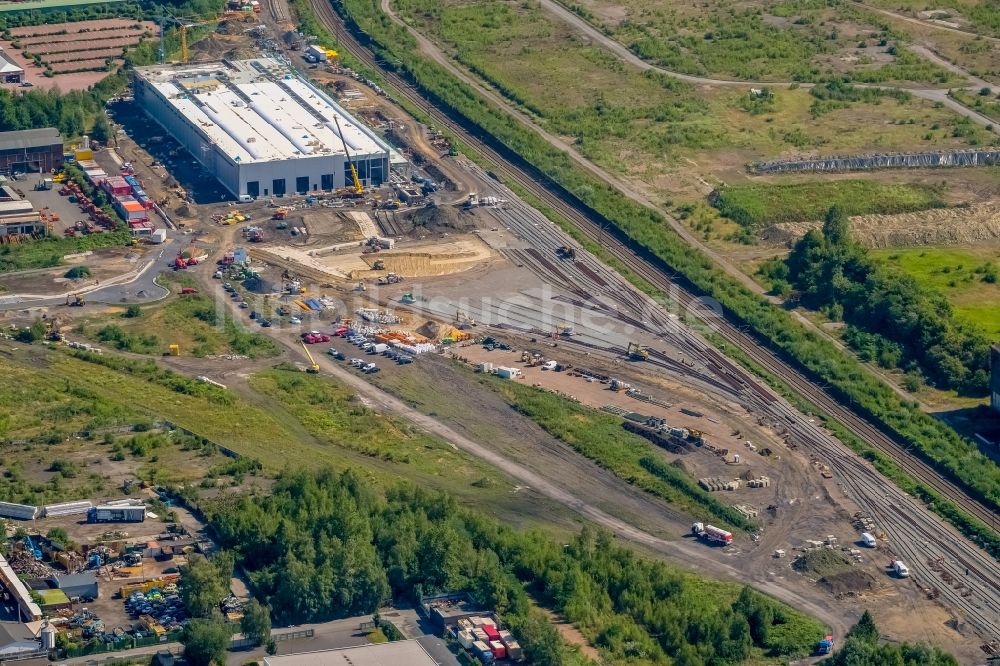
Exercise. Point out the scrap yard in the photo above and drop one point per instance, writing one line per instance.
(280, 212)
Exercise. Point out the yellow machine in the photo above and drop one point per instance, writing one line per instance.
(175, 350)
(358, 187)
(313, 367)
(637, 352)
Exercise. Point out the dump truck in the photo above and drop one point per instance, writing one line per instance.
(712, 534)
(825, 646)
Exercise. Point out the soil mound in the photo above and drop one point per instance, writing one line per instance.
(961, 225)
(433, 217)
(849, 582)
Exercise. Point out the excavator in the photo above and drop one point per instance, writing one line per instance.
(313, 367)
(358, 190)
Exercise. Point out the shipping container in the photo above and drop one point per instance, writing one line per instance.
(514, 650)
(379, 348)
(499, 651)
(491, 632)
(465, 638)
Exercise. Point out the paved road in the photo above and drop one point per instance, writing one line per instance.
(137, 286)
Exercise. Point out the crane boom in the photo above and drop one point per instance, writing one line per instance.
(313, 367)
(358, 188)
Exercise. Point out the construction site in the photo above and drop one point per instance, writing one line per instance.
(307, 207)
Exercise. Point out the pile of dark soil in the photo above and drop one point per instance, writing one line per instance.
(849, 582)
(433, 217)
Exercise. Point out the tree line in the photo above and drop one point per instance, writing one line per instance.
(325, 545)
(894, 320)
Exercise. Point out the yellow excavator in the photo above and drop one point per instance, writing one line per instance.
(313, 367)
(359, 189)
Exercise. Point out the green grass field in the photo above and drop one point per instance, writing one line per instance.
(194, 322)
(280, 417)
(790, 40)
(988, 105)
(959, 275)
(653, 128)
(49, 252)
(762, 204)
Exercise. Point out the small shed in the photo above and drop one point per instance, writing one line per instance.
(78, 585)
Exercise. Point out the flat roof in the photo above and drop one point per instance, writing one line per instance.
(397, 653)
(33, 138)
(18, 588)
(260, 111)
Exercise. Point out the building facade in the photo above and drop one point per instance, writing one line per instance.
(260, 129)
(30, 151)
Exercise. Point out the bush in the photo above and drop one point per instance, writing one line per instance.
(77, 272)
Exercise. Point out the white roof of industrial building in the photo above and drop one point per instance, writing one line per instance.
(7, 65)
(398, 653)
(258, 111)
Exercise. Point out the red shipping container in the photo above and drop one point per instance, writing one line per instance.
(499, 651)
(491, 632)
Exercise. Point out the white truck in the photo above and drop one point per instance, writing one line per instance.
(379, 348)
(712, 534)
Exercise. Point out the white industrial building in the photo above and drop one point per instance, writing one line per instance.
(259, 128)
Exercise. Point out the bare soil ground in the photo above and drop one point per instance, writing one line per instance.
(946, 226)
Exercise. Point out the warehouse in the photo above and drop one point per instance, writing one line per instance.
(31, 151)
(260, 129)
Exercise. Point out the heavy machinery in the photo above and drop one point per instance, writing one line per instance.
(313, 367)
(637, 352)
(54, 333)
(712, 534)
(566, 252)
(280, 214)
(76, 300)
(825, 646)
(359, 189)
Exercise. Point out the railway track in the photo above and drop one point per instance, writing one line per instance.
(512, 167)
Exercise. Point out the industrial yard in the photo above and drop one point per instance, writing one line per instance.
(282, 214)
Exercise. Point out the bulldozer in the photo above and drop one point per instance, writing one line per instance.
(637, 352)
(76, 300)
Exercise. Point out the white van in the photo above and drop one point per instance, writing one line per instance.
(868, 540)
(245, 198)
